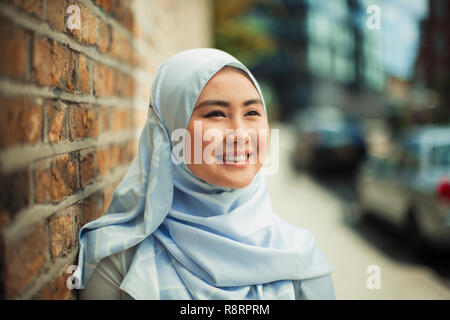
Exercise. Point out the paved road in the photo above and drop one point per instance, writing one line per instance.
(320, 205)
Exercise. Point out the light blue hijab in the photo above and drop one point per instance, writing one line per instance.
(195, 240)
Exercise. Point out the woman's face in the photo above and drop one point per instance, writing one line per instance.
(234, 131)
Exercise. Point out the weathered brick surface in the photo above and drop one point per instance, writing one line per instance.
(13, 50)
(89, 27)
(103, 80)
(121, 119)
(55, 179)
(105, 118)
(84, 77)
(92, 208)
(61, 231)
(57, 121)
(51, 63)
(71, 113)
(25, 259)
(14, 192)
(31, 7)
(87, 166)
(83, 121)
(56, 10)
(105, 5)
(57, 288)
(21, 121)
(103, 161)
(104, 43)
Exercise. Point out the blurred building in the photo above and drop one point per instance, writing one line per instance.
(327, 54)
(323, 55)
(432, 72)
(343, 56)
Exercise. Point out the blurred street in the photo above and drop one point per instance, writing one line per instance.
(320, 205)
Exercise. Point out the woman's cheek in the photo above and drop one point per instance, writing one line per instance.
(212, 144)
(263, 143)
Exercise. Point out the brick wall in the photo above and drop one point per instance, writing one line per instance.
(72, 104)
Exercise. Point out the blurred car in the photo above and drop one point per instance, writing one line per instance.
(327, 141)
(410, 188)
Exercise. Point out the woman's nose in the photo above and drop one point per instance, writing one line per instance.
(237, 135)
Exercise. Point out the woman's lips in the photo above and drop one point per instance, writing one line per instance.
(237, 160)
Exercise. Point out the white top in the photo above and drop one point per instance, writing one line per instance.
(107, 277)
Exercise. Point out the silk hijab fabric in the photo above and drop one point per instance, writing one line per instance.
(195, 240)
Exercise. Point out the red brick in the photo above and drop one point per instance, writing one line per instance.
(104, 42)
(14, 192)
(13, 53)
(61, 230)
(56, 11)
(83, 122)
(57, 289)
(105, 118)
(92, 208)
(51, 63)
(121, 119)
(103, 80)
(123, 157)
(124, 85)
(114, 153)
(21, 121)
(87, 167)
(42, 182)
(89, 27)
(105, 5)
(57, 120)
(124, 15)
(103, 161)
(55, 179)
(32, 7)
(83, 81)
(26, 258)
(72, 73)
(120, 46)
(64, 177)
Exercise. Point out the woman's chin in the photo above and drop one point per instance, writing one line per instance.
(235, 182)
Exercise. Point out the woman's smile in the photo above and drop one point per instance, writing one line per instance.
(235, 160)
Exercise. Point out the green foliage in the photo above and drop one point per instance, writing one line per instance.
(241, 34)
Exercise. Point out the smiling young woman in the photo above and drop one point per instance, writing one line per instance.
(204, 229)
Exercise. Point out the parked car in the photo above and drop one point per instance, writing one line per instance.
(327, 141)
(410, 188)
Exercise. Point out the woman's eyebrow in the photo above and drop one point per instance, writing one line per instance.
(223, 103)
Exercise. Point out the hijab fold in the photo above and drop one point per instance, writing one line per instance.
(193, 239)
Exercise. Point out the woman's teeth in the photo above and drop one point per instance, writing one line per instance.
(239, 158)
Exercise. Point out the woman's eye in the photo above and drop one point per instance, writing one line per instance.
(253, 113)
(215, 114)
